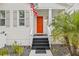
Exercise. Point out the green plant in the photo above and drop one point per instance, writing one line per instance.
(75, 37)
(17, 49)
(3, 51)
(67, 26)
(62, 27)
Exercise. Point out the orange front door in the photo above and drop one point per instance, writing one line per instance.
(39, 24)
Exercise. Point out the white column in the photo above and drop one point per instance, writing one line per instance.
(49, 16)
(31, 21)
(49, 21)
(31, 26)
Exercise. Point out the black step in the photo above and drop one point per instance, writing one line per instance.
(40, 43)
(40, 38)
(40, 47)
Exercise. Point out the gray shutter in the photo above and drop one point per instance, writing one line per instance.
(7, 20)
(27, 19)
(15, 18)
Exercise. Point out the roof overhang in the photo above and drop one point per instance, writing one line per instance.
(50, 5)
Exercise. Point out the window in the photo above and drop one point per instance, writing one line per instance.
(2, 18)
(21, 22)
(21, 17)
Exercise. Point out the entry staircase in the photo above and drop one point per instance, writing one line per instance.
(40, 43)
(40, 46)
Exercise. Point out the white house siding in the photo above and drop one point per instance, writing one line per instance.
(21, 34)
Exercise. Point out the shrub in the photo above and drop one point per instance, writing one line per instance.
(4, 51)
(17, 49)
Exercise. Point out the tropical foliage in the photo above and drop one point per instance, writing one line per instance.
(66, 25)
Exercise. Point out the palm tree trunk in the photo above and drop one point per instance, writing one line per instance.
(68, 45)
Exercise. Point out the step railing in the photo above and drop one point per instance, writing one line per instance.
(49, 36)
(2, 39)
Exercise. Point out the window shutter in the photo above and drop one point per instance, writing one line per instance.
(15, 18)
(7, 20)
(27, 19)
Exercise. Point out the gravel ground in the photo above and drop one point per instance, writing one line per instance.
(59, 50)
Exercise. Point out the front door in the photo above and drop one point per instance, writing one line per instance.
(39, 24)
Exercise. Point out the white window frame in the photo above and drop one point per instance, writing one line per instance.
(18, 21)
(3, 18)
(25, 19)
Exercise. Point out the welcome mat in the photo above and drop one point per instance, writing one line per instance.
(38, 51)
